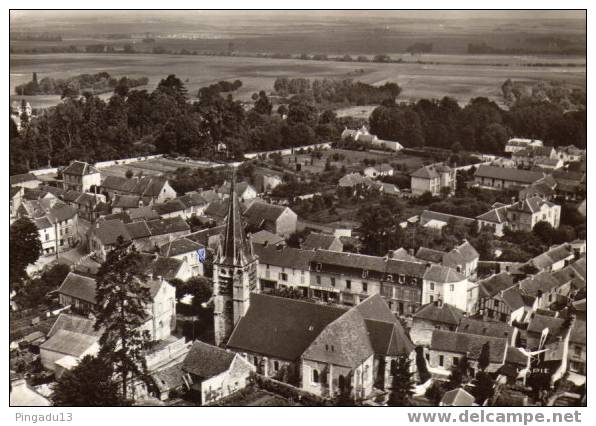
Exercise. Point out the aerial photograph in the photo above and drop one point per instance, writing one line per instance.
(298, 208)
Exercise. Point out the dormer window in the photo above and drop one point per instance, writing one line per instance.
(390, 277)
(364, 273)
(318, 267)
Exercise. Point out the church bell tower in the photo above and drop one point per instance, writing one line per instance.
(234, 272)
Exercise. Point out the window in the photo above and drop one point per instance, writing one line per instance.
(577, 350)
(455, 360)
(348, 284)
(496, 304)
(315, 376)
(389, 277)
(451, 287)
(275, 365)
(318, 279)
(431, 299)
(432, 286)
(283, 276)
(333, 281)
(441, 360)
(364, 287)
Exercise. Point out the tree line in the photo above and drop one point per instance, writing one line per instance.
(95, 83)
(481, 125)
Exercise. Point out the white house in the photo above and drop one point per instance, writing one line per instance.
(446, 284)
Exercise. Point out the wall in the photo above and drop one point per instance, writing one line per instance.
(103, 164)
(286, 223)
(422, 331)
(420, 185)
(287, 151)
(226, 383)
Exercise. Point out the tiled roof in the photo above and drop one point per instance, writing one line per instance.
(428, 215)
(375, 308)
(430, 255)
(496, 215)
(69, 343)
(258, 212)
(280, 327)
(145, 213)
(79, 287)
(494, 284)
(445, 313)
(462, 254)
(388, 339)
(431, 171)
(470, 344)
(138, 230)
(171, 206)
(126, 201)
(542, 282)
(14, 190)
(578, 332)
(217, 209)
(457, 398)
(552, 256)
(405, 267)
(167, 226)
(443, 274)
(22, 178)
(316, 240)
(239, 188)
(516, 357)
(530, 205)
(202, 237)
(205, 361)
(150, 186)
(118, 183)
(287, 257)
(60, 212)
(75, 323)
(402, 254)
(343, 342)
(350, 260)
(265, 237)
(508, 174)
(485, 328)
(108, 231)
(539, 322)
(79, 168)
(179, 246)
(166, 267)
(513, 298)
(192, 199)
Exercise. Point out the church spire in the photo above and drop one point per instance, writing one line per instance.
(235, 250)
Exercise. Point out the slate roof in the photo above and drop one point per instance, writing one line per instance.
(179, 246)
(167, 226)
(75, 323)
(494, 284)
(287, 257)
(192, 199)
(150, 186)
(404, 267)
(485, 328)
(166, 267)
(459, 255)
(69, 343)
(22, 178)
(118, 183)
(316, 240)
(108, 231)
(540, 322)
(451, 341)
(430, 255)
(202, 236)
(344, 342)
(543, 281)
(530, 205)
(79, 168)
(280, 327)
(496, 215)
(143, 213)
(402, 254)
(508, 174)
(217, 209)
(445, 313)
(239, 188)
(126, 201)
(514, 298)
(350, 260)
(388, 339)
(443, 274)
(457, 398)
(375, 308)
(265, 237)
(552, 256)
(79, 287)
(205, 361)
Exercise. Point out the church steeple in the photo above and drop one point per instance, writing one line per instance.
(234, 272)
(235, 250)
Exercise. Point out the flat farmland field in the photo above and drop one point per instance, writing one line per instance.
(459, 76)
(153, 167)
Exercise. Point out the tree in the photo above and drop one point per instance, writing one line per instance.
(263, 104)
(122, 298)
(484, 358)
(483, 387)
(544, 231)
(402, 384)
(381, 230)
(25, 248)
(129, 174)
(90, 383)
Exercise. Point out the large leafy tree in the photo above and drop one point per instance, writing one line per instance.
(25, 248)
(90, 383)
(402, 384)
(484, 358)
(381, 230)
(122, 299)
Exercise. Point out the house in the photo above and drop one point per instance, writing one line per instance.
(570, 185)
(156, 189)
(434, 316)
(448, 347)
(266, 238)
(282, 267)
(364, 136)
(488, 328)
(432, 178)
(517, 144)
(103, 236)
(446, 284)
(389, 189)
(78, 292)
(80, 176)
(187, 251)
(544, 188)
(316, 240)
(194, 204)
(25, 180)
(325, 350)
(70, 339)
(244, 190)
(504, 178)
(217, 210)
(144, 213)
(378, 171)
(169, 268)
(545, 288)
(463, 258)
(126, 203)
(171, 208)
(352, 180)
(495, 219)
(500, 299)
(532, 156)
(16, 197)
(215, 373)
(526, 213)
(458, 397)
(279, 220)
(266, 182)
(577, 355)
(209, 237)
(548, 163)
(570, 153)
(557, 257)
